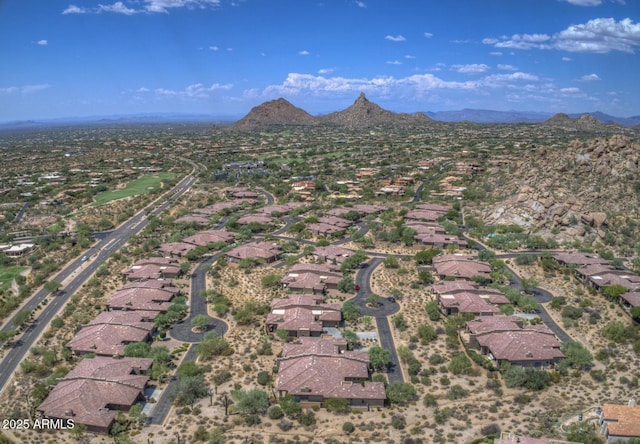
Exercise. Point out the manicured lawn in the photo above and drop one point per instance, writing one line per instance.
(146, 184)
(7, 274)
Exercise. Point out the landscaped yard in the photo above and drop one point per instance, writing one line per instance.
(7, 274)
(145, 184)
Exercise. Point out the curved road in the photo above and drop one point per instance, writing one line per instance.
(182, 332)
(384, 309)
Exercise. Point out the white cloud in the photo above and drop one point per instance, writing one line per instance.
(393, 62)
(149, 6)
(473, 68)
(325, 71)
(197, 90)
(118, 8)
(428, 35)
(214, 48)
(395, 38)
(585, 2)
(27, 89)
(42, 42)
(495, 53)
(73, 9)
(163, 6)
(409, 57)
(507, 67)
(589, 78)
(304, 52)
(414, 86)
(600, 35)
(361, 4)
(566, 59)
(570, 91)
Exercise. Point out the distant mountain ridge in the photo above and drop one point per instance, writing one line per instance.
(362, 113)
(492, 116)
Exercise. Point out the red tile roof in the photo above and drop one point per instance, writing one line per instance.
(622, 420)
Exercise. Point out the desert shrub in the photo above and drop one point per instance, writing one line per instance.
(275, 412)
(457, 392)
(398, 422)
(348, 428)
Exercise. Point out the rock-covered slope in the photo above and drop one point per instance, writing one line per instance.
(573, 191)
(362, 114)
(274, 112)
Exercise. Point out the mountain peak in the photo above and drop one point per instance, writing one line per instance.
(274, 112)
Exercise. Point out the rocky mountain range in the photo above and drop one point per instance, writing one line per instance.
(572, 191)
(365, 114)
(361, 114)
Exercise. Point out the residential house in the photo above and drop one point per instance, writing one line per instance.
(95, 391)
(460, 267)
(269, 252)
(332, 254)
(146, 299)
(152, 269)
(302, 315)
(476, 302)
(107, 339)
(321, 370)
(201, 221)
(620, 422)
(526, 348)
(630, 299)
(176, 249)
(312, 278)
(205, 238)
(573, 259)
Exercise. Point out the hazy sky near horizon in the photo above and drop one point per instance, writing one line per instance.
(64, 58)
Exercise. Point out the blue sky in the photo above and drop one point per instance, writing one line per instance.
(221, 57)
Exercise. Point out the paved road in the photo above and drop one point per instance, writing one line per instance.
(385, 308)
(77, 273)
(21, 213)
(183, 331)
(540, 295)
(163, 405)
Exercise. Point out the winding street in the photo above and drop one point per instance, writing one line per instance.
(380, 314)
(182, 331)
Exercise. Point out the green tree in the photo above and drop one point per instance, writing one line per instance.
(583, 432)
(213, 345)
(22, 317)
(613, 292)
(577, 357)
(52, 286)
(401, 393)
(391, 262)
(250, 402)
(264, 378)
(289, 405)
(189, 369)
(137, 350)
(189, 390)
(336, 405)
(425, 257)
(352, 339)
(346, 284)
(271, 280)
(199, 322)
(350, 311)
(378, 357)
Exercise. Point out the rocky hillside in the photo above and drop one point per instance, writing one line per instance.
(274, 112)
(575, 192)
(364, 114)
(584, 123)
